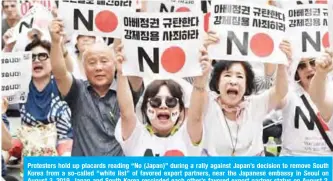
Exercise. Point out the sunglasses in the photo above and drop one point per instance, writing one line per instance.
(40, 56)
(303, 65)
(156, 102)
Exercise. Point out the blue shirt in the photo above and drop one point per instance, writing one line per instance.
(47, 107)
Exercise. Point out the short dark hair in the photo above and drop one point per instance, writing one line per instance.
(152, 90)
(3, 2)
(37, 42)
(223, 65)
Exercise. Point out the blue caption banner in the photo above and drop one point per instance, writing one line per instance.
(178, 168)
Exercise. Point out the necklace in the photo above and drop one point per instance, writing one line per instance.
(232, 142)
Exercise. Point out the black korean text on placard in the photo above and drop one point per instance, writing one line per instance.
(10, 60)
(11, 74)
(10, 87)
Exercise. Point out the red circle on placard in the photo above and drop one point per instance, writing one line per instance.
(326, 40)
(106, 21)
(183, 9)
(173, 59)
(262, 45)
(173, 153)
(206, 22)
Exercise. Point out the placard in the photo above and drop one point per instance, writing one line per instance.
(16, 75)
(101, 18)
(162, 44)
(308, 29)
(247, 32)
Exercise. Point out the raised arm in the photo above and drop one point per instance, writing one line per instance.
(318, 89)
(199, 98)
(278, 92)
(68, 59)
(285, 47)
(280, 89)
(59, 69)
(125, 98)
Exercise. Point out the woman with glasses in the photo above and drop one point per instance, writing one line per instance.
(44, 104)
(161, 130)
(301, 136)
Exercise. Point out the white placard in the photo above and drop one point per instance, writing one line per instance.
(37, 17)
(308, 29)
(15, 75)
(247, 32)
(97, 18)
(163, 45)
(19, 97)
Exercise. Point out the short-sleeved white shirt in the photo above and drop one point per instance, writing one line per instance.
(217, 140)
(297, 138)
(143, 143)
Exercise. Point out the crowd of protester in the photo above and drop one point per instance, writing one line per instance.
(230, 110)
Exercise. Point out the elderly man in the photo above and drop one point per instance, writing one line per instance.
(93, 103)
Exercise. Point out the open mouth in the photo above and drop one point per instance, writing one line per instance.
(38, 68)
(163, 116)
(309, 77)
(232, 92)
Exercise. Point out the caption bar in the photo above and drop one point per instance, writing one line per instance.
(177, 169)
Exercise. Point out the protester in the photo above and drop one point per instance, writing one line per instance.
(44, 106)
(296, 112)
(93, 103)
(12, 17)
(319, 92)
(261, 82)
(80, 42)
(242, 114)
(6, 140)
(162, 109)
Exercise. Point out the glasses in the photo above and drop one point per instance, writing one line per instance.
(156, 102)
(41, 56)
(303, 65)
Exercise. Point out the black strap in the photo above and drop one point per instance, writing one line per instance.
(313, 115)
